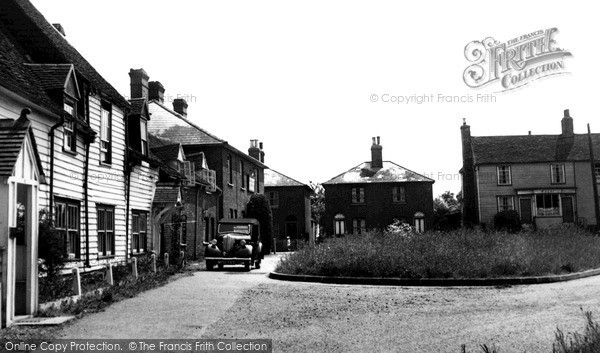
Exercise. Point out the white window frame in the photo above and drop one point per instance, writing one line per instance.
(144, 136)
(554, 175)
(105, 134)
(399, 194)
(358, 195)
(339, 224)
(500, 169)
(502, 206)
(558, 208)
(359, 226)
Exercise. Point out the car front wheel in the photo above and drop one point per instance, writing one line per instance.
(209, 265)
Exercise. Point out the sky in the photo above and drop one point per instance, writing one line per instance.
(316, 80)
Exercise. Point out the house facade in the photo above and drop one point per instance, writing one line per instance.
(373, 194)
(547, 179)
(92, 179)
(236, 175)
(290, 206)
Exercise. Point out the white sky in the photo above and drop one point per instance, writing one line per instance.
(299, 75)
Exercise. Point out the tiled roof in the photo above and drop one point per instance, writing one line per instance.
(137, 106)
(12, 137)
(533, 148)
(18, 78)
(389, 173)
(180, 129)
(50, 76)
(166, 194)
(37, 41)
(274, 178)
(167, 153)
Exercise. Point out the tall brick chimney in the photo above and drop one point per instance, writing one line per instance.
(180, 106)
(138, 83)
(567, 124)
(254, 151)
(156, 91)
(376, 153)
(470, 214)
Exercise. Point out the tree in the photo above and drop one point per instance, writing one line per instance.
(258, 207)
(317, 202)
(446, 209)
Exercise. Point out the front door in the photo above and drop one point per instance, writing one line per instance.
(21, 233)
(567, 209)
(525, 207)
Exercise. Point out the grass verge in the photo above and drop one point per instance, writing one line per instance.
(458, 254)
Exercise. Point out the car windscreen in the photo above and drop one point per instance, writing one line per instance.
(235, 228)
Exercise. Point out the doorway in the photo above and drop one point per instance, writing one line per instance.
(567, 209)
(525, 207)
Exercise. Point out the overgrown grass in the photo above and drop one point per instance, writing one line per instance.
(458, 254)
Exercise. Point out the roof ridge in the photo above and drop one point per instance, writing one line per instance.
(186, 120)
(299, 182)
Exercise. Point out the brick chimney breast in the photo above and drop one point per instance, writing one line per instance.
(180, 106)
(138, 83)
(376, 153)
(156, 91)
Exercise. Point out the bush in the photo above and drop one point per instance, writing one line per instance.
(50, 247)
(457, 254)
(508, 220)
(588, 342)
(258, 207)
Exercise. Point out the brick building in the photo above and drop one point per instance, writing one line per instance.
(237, 175)
(373, 194)
(548, 179)
(290, 206)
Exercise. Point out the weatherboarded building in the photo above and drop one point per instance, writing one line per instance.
(547, 179)
(374, 193)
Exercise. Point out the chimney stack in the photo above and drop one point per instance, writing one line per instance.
(180, 106)
(469, 188)
(156, 91)
(376, 153)
(567, 124)
(60, 29)
(138, 83)
(254, 151)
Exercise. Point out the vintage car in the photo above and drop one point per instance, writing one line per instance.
(237, 242)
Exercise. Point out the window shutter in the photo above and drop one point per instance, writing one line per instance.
(353, 194)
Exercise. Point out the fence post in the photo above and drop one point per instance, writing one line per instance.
(181, 259)
(166, 260)
(109, 275)
(134, 269)
(76, 281)
(153, 257)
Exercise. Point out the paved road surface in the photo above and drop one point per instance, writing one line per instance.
(181, 309)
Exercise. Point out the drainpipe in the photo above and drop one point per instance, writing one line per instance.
(594, 183)
(86, 202)
(51, 196)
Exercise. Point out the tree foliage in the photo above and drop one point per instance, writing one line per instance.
(446, 211)
(50, 246)
(258, 207)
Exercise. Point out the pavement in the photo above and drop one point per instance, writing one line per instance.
(184, 308)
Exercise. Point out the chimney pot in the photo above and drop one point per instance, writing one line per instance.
(376, 154)
(253, 151)
(260, 145)
(566, 113)
(378, 141)
(180, 106)
(529, 132)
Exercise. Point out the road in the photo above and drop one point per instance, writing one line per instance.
(311, 317)
(180, 309)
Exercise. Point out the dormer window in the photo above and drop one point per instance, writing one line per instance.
(105, 133)
(69, 132)
(144, 136)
